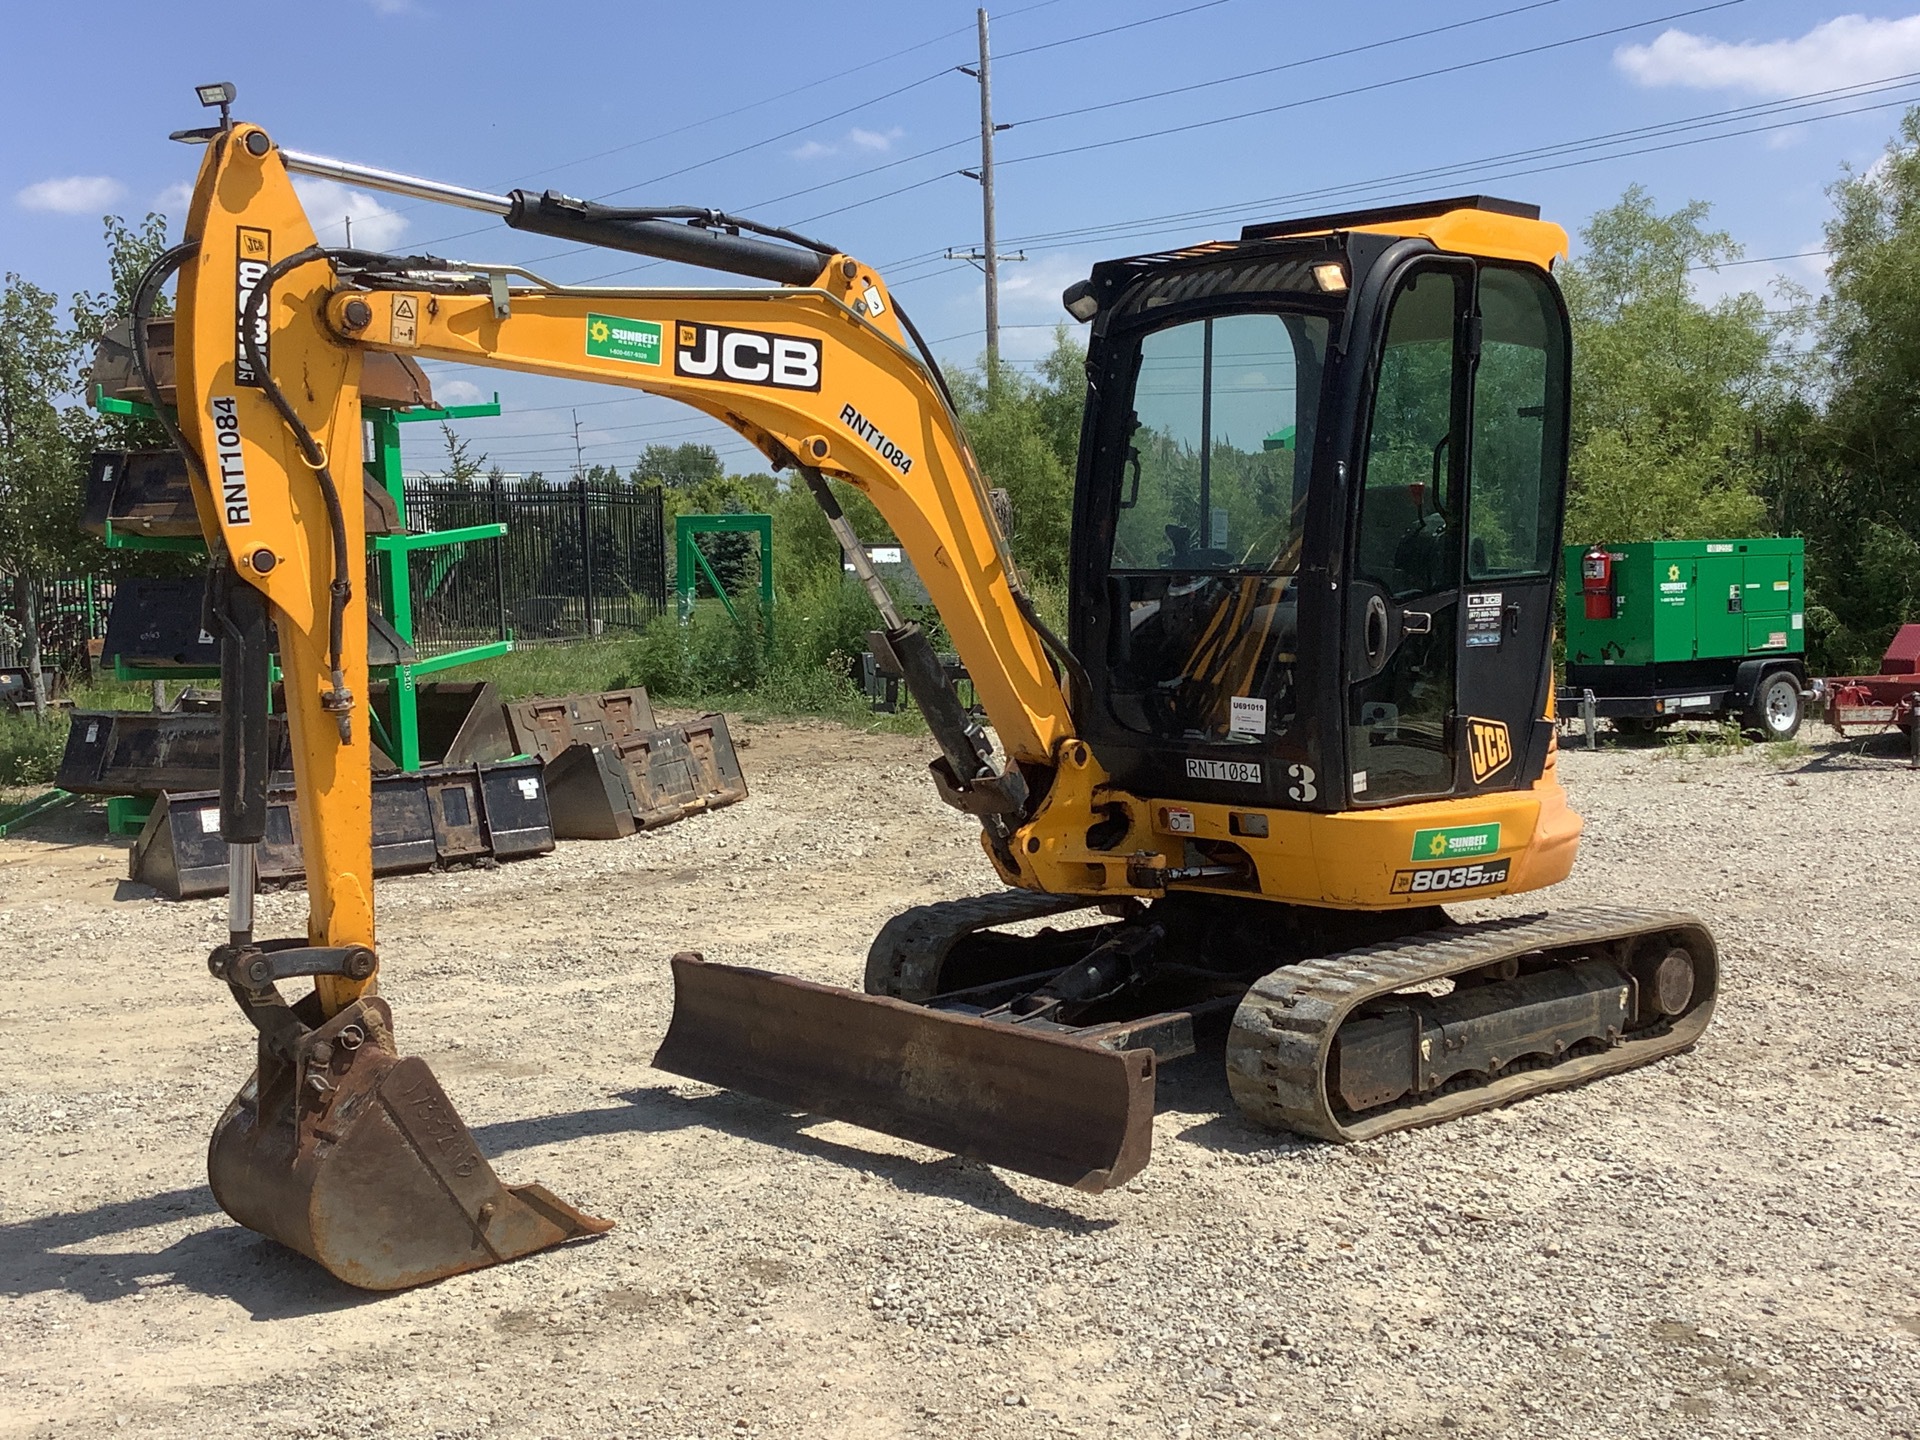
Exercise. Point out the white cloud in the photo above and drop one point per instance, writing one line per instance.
(329, 203)
(458, 392)
(71, 194)
(870, 142)
(172, 202)
(390, 7)
(1847, 50)
(878, 141)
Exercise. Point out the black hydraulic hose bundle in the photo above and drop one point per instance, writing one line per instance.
(145, 291)
(339, 700)
(236, 611)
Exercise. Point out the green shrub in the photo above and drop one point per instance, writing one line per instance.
(809, 667)
(30, 753)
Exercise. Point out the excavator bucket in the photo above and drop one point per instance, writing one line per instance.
(1064, 1110)
(356, 1158)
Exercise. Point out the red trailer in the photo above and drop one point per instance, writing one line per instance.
(1874, 702)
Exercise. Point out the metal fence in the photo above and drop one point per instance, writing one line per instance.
(578, 559)
(72, 612)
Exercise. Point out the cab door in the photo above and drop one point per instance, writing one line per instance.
(1403, 594)
(1515, 494)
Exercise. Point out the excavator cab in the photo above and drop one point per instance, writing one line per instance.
(1318, 506)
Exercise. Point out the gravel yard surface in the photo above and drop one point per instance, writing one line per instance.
(1725, 1244)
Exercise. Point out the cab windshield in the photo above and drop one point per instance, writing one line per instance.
(1211, 516)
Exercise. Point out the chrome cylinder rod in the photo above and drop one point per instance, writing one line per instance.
(348, 173)
(243, 877)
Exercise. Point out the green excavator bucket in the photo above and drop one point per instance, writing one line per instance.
(1043, 1104)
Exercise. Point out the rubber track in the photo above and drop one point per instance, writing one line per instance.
(905, 958)
(1282, 1038)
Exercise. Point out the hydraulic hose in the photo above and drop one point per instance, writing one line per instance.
(339, 700)
(145, 291)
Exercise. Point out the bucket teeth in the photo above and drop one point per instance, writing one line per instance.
(355, 1157)
(1060, 1109)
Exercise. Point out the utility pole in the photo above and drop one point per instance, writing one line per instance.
(990, 259)
(989, 256)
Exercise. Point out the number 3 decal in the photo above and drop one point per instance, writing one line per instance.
(1303, 789)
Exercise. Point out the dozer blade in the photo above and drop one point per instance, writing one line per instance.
(356, 1158)
(1060, 1109)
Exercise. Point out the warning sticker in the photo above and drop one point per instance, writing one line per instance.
(406, 320)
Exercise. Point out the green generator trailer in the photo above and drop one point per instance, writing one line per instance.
(1672, 630)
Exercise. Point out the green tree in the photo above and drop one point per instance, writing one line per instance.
(1025, 433)
(1667, 391)
(463, 466)
(1843, 472)
(130, 250)
(43, 442)
(677, 467)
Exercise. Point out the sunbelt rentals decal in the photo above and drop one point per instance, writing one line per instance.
(612, 337)
(1455, 842)
(880, 444)
(229, 465)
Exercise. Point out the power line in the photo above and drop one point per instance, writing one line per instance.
(1762, 259)
(1390, 40)
(1288, 105)
(956, 144)
(1296, 64)
(808, 125)
(1349, 92)
(1170, 220)
(1116, 29)
(677, 419)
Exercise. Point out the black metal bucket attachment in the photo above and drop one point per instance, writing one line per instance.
(643, 780)
(1060, 1109)
(441, 815)
(356, 1158)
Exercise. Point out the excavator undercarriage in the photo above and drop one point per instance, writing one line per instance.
(1338, 1025)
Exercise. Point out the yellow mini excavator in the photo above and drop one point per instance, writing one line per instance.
(1302, 699)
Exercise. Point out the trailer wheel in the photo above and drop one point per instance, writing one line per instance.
(1776, 710)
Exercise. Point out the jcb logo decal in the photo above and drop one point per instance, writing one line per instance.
(253, 256)
(751, 357)
(1489, 747)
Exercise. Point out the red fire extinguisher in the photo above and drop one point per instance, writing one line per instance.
(1596, 583)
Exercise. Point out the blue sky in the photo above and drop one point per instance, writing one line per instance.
(848, 122)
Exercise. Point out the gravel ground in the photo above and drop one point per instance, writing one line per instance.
(1724, 1244)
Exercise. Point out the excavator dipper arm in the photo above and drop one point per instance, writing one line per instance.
(337, 1146)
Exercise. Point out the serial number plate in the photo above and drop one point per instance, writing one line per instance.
(1431, 879)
